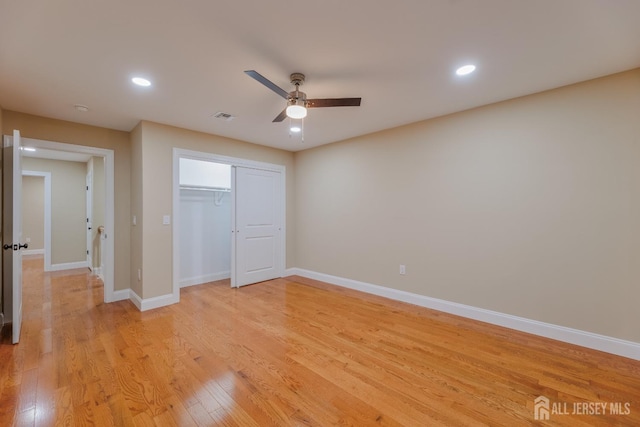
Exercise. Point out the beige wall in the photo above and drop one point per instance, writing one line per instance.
(528, 207)
(33, 211)
(68, 207)
(155, 160)
(74, 133)
(136, 208)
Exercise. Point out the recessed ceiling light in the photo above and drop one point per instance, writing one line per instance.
(295, 129)
(140, 81)
(81, 107)
(466, 69)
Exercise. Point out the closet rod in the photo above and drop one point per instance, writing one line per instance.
(193, 187)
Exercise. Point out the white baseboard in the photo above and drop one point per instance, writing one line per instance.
(591, 340)
(151, 303)
(98, 271)
(198, 280)
(32, 252)
(67, 266)
(135, 299)
(121, 295)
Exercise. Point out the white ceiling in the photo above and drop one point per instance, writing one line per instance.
(398, 56)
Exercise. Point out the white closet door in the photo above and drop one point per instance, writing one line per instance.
(257, 225)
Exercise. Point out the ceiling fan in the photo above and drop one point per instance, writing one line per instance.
(297, 102)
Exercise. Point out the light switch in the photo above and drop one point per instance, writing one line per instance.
(166, 219)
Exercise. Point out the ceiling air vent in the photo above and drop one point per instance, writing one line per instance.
(223, 116)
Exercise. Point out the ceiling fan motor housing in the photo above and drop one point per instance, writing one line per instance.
(297, 79)
(297, 98)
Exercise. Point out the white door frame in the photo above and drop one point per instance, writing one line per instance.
(179, 153)
(47, 214)
(109, 174)
(89, 207)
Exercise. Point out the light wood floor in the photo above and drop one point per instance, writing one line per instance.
(287, 352)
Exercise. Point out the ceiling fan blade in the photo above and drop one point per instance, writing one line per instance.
(268, 83)
(281, 116)
(333, 102)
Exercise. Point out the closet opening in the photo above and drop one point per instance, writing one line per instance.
(204, 221)
(229, 220)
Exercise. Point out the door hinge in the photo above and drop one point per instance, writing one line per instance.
(87, 252)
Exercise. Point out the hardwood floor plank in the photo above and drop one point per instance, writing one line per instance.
(28, 390)
(121, 414)
(176, 412)
(290, 351)
(63, 407)
(26, 418)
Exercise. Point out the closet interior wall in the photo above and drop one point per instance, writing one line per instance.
(205, 227)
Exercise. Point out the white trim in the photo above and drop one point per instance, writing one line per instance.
(69, 265)
(135, 299)
(89, 213)
(591, 340)
(234, 270)
(98, 272)
(121, 295)
(109, 214)
(233, 161)
(151, 303)
(200, 280)
(47, 215)
(33, 252)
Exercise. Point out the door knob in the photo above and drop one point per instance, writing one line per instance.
(15, 247)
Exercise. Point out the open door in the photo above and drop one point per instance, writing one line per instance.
(12, 236)
(257, 230)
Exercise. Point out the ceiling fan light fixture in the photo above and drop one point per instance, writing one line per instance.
(296, 111)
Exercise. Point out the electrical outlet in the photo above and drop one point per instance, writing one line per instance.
(403, 269)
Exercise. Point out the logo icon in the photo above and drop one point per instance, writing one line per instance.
(541, 408)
